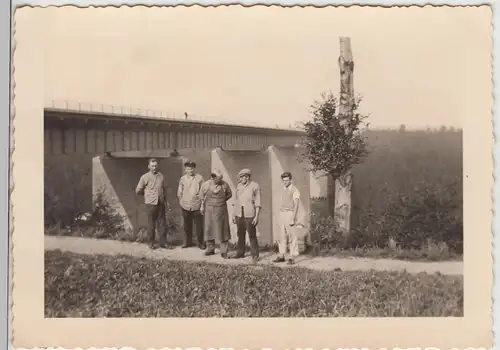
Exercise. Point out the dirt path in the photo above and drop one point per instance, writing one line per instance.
(101, 246)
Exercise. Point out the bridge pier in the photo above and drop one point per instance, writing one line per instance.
(115, 178)
(91, 150)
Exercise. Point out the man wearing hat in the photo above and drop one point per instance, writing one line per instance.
(246, 210)
(189, 197)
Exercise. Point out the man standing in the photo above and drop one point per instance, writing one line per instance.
(214, 195)
(189, 197)
(246, 210)
(289, 207)
(152, 186)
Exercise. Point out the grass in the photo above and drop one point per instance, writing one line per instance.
(121, 286)
(431, 253)
(380, 241)
(175, 238)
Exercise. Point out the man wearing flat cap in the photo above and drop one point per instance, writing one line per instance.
(189, 197)
(246, 209)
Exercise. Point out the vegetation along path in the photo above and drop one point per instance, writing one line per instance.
(139, 250)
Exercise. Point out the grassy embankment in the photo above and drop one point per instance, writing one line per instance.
(122, 286)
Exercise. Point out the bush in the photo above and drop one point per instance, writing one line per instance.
(102, 217)
(120, 286)
(105, 223)
(62, 206)
(429, 221)
(431, 215)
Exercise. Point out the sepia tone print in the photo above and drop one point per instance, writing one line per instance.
(413, 212)
(219, 171)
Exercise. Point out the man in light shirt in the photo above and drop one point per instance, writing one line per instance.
(289, 206)
(152, 186)
(189, 197)
(246, 210)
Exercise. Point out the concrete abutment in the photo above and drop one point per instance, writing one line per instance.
(115, 176)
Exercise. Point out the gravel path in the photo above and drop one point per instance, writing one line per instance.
(101, 246)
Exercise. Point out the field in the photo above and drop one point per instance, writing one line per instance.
(121, 286)
(407, 198)
(407, 202)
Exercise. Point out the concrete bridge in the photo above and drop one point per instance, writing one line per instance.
(80, 132)
(88, 152)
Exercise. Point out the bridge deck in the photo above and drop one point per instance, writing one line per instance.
(119, 115)
(69, 131)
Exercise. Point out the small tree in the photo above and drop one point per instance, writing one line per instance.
(333, 144)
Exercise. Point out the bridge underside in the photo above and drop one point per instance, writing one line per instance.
(66, 133)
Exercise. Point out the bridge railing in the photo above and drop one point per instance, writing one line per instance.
(85, 107)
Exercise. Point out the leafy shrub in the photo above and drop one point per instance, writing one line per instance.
(431, 215)
(105, 222)
(334, 142)
(62, 206)
(120, 286)
(103, 217)
(430, 220)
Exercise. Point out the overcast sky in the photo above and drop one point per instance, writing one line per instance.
(415, 66)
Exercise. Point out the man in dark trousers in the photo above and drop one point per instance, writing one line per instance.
(152, 186)
(189, 197)
(246, 210)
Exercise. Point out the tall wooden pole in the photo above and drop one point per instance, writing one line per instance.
(343, 184)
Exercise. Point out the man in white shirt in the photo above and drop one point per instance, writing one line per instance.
(289, 207)
(246, 210)
(152, 186)
(189, 197)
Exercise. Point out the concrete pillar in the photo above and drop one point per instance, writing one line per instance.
(116, 178)
(282, 159)
(319, 183)
(217, 163)
(230, 163)
(105, 177)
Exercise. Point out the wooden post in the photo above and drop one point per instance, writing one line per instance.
(343, 183)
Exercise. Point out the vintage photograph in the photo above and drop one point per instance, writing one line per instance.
(163, 199)
(231, 162)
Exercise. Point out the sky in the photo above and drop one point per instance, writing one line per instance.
(415, 66)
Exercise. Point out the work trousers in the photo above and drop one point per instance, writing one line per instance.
(245, 225)
(287, 235)
(192, 218)
(211, 246)
(156, 217)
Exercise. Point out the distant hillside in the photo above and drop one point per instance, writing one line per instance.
(409, 188)
(402, 159)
